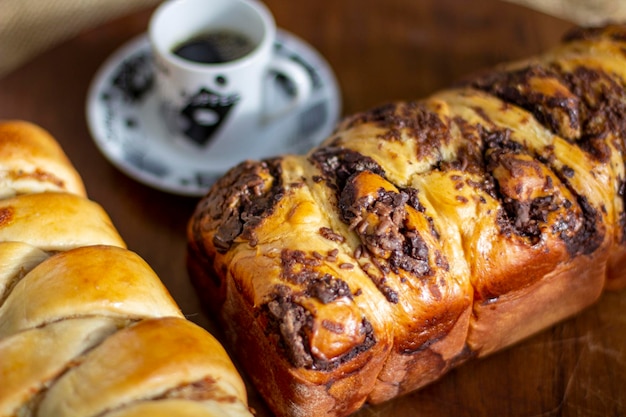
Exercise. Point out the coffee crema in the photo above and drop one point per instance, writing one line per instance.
(216, 47)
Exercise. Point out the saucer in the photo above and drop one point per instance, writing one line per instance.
(127, 126)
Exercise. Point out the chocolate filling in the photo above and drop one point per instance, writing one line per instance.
(602, 108)
(238, 202)
(288, 322)
(528, 218)
(327, 289)
(604, 105)
(338, 164)
(557, 110)
(411, 120)
(588, 110)
(392, 244)
(297, 267)
(588, 238)
(469, 155)
(331, 235)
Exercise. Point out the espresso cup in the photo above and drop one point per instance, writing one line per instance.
(213, 62)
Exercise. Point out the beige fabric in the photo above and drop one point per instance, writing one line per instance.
(583, 12)
(28, 27)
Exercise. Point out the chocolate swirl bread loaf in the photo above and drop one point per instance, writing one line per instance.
(422, 234)
(86, 327)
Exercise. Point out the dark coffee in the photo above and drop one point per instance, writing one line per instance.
(215, 47)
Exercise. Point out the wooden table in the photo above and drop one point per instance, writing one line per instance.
(380, 50)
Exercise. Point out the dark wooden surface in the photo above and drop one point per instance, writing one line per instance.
(380, 51)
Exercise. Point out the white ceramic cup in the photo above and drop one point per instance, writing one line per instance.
(218, 107)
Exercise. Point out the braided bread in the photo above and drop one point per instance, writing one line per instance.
(421, 234)
(86, 327)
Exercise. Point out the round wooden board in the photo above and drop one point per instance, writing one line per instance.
(380, 51)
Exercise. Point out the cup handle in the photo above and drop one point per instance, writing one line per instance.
(302, 83)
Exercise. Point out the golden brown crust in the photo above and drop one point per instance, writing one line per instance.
(16, 260)
(21, 221)
(32, 161)
(150, 359)
(129, 290)
(86, 326)
(421, 234)
(180, 408)
(32, 358)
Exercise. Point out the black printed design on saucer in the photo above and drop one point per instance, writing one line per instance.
(318, 83)
(204, 113)
(135, 77)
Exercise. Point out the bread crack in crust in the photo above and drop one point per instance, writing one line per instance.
(86, 326)
(421, 234)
